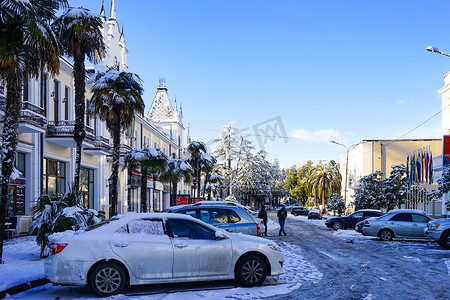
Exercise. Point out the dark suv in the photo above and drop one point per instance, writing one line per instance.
(351, 220)
(299, 211)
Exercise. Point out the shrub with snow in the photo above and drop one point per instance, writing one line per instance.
(60, 213)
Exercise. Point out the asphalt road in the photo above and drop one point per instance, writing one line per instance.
(365, 268)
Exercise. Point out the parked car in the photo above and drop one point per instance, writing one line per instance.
(299, 211)
(439, 231)
(232, 218)
(351, 220)
(314, 214)
(398, 223)
(154, 248)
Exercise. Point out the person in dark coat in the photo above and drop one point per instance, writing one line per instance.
(282, 215)
(263, 215)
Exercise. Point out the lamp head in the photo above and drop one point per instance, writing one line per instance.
(432, 49)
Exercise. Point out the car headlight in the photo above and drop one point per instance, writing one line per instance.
(433, 226)
(274, 247)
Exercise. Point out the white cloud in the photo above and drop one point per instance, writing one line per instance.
(400, 101)
(321, 135)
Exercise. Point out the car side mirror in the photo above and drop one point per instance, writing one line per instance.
(220, 235)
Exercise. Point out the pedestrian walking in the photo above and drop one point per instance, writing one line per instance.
(282, 215)
(263, 215)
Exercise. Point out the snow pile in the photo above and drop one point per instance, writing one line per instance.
(21, 262)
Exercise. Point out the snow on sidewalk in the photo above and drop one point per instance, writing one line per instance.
(22, 263)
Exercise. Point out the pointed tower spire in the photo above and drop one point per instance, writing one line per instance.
(188, 136)
(102, 11)
(112, 15)
(122, 37)
(180, 114)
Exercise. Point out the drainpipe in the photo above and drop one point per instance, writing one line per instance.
(41, 181)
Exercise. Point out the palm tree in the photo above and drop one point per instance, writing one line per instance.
(207, 163)
(148, 159)
(196, 148)
(79, 31)
(117, 97)
(176, 170)
(27, 45)
(324, 180)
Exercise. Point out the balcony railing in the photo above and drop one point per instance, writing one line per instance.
(65, 129)
(30, 115)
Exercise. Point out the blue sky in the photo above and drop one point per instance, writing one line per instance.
(320, 70)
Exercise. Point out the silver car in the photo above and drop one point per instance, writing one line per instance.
(137, 249)
(398, 223)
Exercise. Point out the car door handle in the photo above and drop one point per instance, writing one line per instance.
(180, 246)
(121, 245)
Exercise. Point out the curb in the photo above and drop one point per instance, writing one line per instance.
(23, 287)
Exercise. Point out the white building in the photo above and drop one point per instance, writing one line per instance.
(46, 149)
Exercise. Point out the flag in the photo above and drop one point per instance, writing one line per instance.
(418, 168)
(407, 169)
(431, 167)
(413, 169)
(427, 168)
(422, 164)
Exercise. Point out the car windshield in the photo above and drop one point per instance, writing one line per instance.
(98, 225)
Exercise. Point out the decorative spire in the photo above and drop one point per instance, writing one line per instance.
(180, 114)
(122, 37)
(176, 107)
(188, 136)
(112, 15)
(102, 12)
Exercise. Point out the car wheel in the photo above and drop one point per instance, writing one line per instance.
(337, 225)
(251, 271)
(386, 235)
(107, 279)
(445, 240)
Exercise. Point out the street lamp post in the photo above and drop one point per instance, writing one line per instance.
(346, 169)
(436, 50)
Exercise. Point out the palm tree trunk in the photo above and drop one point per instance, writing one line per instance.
(174, 193)
(80, 107)
(13, 109)
(115, 169)
(144, 206)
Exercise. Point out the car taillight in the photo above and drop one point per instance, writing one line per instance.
(366, 224)
(57, 247)
(258, 230)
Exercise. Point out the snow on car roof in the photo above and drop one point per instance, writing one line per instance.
(404, 210)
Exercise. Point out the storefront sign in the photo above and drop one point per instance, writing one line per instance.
(182, 199)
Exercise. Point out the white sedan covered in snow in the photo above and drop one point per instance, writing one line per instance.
(158, 248)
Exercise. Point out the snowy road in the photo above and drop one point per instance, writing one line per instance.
(320, 263)
(358, 267)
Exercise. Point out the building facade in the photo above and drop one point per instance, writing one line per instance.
(369, 156)
(46, 149)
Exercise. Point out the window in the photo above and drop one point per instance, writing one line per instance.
(189, 229)
(190, 212)
(25, 90)
(405, 217)
(56, 99)
(143, 227)
(20, 163)
(358, 215)
(234, 218)
(54, 177)
(216, 215)
(88, 115)
(87, 187)
(45, 88)
(420, 218)
(66, 103)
